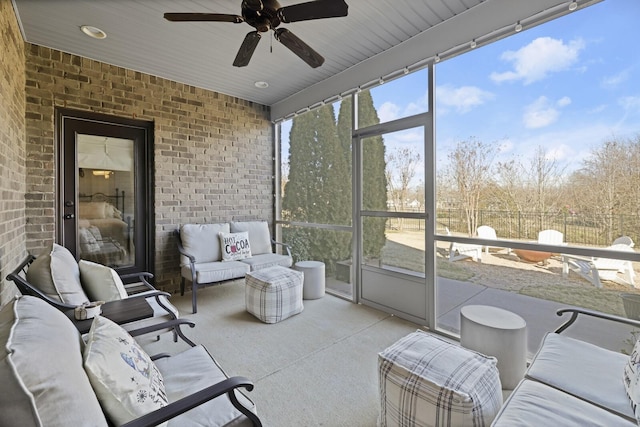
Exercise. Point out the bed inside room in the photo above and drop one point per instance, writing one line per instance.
(104, 233)
(106, 200)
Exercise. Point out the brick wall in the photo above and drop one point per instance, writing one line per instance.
(12, 148)
(213, 153)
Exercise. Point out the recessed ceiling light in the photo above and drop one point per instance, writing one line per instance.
(261, 85)
(93, 32)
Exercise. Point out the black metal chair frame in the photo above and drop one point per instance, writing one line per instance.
(18, 276)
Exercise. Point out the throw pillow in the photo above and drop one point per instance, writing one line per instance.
(101, 283)
(55, 272)
(88, 242)
(235, 246)
(127, 382)
(632, 379)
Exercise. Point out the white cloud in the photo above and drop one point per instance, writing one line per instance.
(598, 109)
(388, 111)
(538, 59)
(630, 103)
(616, 79)
(539, 114)
(463, 98)
(564, 101)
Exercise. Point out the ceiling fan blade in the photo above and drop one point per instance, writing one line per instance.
(189, 17)
(300, 48)
(247, 48)
(317, 9)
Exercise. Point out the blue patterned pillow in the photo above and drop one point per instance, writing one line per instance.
(126, 381)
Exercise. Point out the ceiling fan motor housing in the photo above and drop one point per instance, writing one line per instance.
(262, 15)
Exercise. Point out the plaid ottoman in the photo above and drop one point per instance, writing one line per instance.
(427, 381)
(273, 294)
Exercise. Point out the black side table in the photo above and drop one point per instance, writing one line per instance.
(120, 311)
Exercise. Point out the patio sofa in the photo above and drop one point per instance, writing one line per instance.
(214, 253)
(49, 376)
(574, 383)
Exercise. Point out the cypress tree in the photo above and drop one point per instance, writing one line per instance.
(374, 182)
(315, 190)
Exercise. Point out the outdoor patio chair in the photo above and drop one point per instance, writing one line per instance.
(459, 251)
(55, 277)
(486, 232)
(550, 237)
(597, 269)
(623, 240)
(52, 376)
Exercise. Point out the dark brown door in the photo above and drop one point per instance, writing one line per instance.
(105, 209)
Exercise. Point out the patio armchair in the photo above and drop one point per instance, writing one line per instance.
(50, 378)
(58, 279)
(573, 382)
(459, 251)
(487, 232)
(596, 269)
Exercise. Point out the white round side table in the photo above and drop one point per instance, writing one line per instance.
(496, 332)
(313, 287)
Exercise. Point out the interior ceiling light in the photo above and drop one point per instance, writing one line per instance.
(473, 44)
(93, 32)
(437, 58)
(261, 85)
(573, 5)
(518, 27)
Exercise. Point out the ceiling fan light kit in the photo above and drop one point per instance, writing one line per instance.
(265, 15)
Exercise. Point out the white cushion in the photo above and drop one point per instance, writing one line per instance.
(235, 246)
(427, 381)
(632, 379)
(191, 371)
(56, 273)
(211, 272)
(125, 379)
(536, 404)
(101, 283)
(258, 262)
(92, 210)
(583, 370)
(201, 241)
(259, 235)
(42, 382)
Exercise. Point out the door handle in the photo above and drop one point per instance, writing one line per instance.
(69, 204)
(69, 216)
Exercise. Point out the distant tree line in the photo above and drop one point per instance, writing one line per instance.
(606, 185)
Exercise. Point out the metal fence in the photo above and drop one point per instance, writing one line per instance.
(582, 229)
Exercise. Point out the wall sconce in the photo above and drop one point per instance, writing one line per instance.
(106, 174)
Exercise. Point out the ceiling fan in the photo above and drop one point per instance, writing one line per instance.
(265, 15)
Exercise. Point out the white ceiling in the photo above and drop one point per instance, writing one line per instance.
(377, 39)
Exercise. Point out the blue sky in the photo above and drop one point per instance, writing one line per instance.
(567, 86)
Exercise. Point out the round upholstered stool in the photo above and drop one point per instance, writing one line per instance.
(500, 333)
(314, 283)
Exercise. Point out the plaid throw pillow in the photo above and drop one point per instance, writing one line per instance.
(427, 381)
